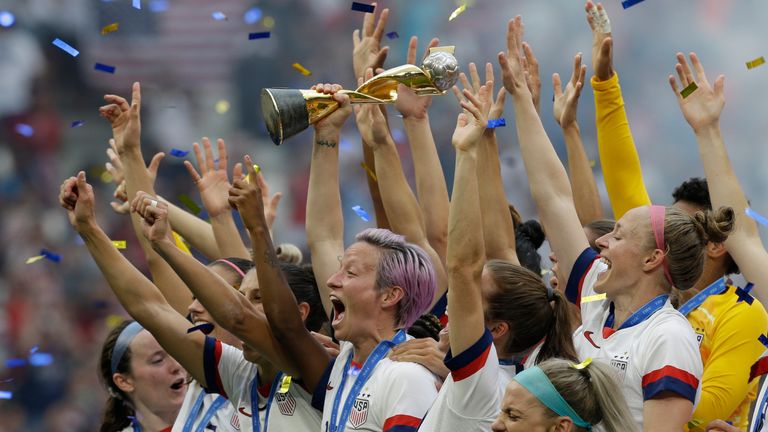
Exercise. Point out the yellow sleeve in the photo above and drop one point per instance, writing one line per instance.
(618, 155)
(735, 347)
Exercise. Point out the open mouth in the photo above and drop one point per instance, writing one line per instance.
(607, 264)
(178, 384)
(338, 310)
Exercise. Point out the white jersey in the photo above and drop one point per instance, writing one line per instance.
(237, 379)
(654, 351)
(202, 411)
(395, 398)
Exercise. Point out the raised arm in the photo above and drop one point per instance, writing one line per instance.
(583, 184)
(430, 180)
(400, 204)
(126, 129)
(466, 251)
(280, 304)
(618, 155)
(702, 111)
(548, 181)
(136, 293)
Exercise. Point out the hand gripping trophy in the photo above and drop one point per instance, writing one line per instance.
(287, 111)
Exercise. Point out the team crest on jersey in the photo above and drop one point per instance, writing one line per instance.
(359, 414)
(620, 363)
(286, 403)
(235, 421)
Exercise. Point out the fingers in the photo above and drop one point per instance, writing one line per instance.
(475, 106)
(533, 63)
(192, 172)
(433, 43)
(222, 162)
(368, 19)
(489, 74)
(458, 94)
(136, 98)
(700, 74)
(237, 171)
(355, 38)
(583, 74)
(576, 69)
(464, 81)
(412, 44)
(475, 78)
(274, 202)
(199, 157)
(208, 154)
(557, 85)
(120, 207)
(381, 25)
(381, 57)
(673, 84)
(720, 85)
(154, 164)
(118, 101)
(685, 70)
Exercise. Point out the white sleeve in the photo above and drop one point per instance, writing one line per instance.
(227, 372)
(475, 375)
(410, 394)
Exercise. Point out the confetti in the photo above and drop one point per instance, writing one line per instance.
(393, 35)
(35, 259)
(762, 220)
(756, 62)
(178, 153)
(369, 171)
(304, 71)
(252, 15)
(6, 19)
(744, 294)
(219, 16)
(34, 349)
(258, 35)
(360, 212)
(66, 47)
(109, 28)
(158, 5)
(15, 362)
(120, 244)
(593, 298)
(689, 90)
(256, 169)
(77, 123)
(137, 4)
(269, 22)
(50, 255)
(459, 10)
(763, 340)
(222, 106)
(113, 321)
(40, 359)
(205, 328)
(285, 384)
(6, 395)
(25, 130)
(189, 203)
(363, 7)
(494, 123)
(104, 68)
(626, 4)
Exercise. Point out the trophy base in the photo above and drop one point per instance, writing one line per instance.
(285, 113)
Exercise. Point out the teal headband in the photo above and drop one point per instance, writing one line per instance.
(123, 340)
(535, 381)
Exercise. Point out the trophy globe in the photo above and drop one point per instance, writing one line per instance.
(443, 69)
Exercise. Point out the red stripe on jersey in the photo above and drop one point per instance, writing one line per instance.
(217, 356)
(759, 368)
(402, 420)
(607, 332)
(471, 367)
(670, 371)
(168, 429)
(443, 321)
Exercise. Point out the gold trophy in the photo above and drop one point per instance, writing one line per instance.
(288, 111)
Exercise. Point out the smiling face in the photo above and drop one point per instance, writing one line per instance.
(522, 412)
(157, 381)
(356, 302)
(624, 250)
(200, 315)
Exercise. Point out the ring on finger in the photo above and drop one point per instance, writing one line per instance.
(153, 203)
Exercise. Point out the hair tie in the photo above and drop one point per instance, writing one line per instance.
(231, 264)
(658, 217)
(550, 293)
(123, 341)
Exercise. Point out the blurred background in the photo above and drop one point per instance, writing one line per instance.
(201, 77)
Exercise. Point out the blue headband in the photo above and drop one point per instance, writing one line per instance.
(536, 382)
(126, 336)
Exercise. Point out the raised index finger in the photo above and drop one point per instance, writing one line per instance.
(381, 25)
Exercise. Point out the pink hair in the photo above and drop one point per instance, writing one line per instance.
(405, 265)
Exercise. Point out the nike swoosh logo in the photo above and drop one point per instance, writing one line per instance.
(588, 336)
(329, 387)
(242, 411)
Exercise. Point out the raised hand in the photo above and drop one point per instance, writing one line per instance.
(336, 119)
(567, 102)
(213, 184)
(602, 44)
(76, 196)
(512, 68)
(469, 130)
(246, 197)
(371, 122)
(125, 119)
(703, 107)
(367, 51)
(408, 104)
(154, 217)
(270, 210)
(532, 77)
(495, 108)
(115, 168)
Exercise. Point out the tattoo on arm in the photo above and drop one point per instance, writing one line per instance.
(325, 143)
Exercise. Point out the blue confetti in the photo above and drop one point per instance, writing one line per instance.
(137, 4)
(158, 6)
(104, 68)
(258, 35)
(25, 130)
(744, 294)
(66, 47)
(362, 213)
(7, 19)
(252, 15)
(494, 123)
(77, 123)
(6, 395)
(763, 340)
(40, 359)
(219, 16)
(762, 220)
(626, 4)
(393, 35)
(15, 362)
(50, 255)
(179, 153)
(205, 328)
(34, 349)
(362, 7)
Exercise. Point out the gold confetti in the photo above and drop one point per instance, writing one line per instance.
(592, 298)
(304, 71)
(689, 90)
(756, 62)
(109, 28)
(285, 384)
(106, 177)
(457, 12)
(35, 259)
(370, 171)
(113, 321)
(268, 22)
(120, 244)
(256, 169)
(222, 106)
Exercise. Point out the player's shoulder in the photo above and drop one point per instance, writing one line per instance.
(405, 372)
(667, 323)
